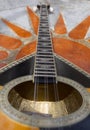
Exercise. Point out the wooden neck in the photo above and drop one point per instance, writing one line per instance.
(44, 70)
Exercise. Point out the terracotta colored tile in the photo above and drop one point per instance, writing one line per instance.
(60, 27)
(1, 87)
(73, 51)
(18, 30)
(89, 40)
(88, 89)
(27, 50)
(2, 65)
(80, 31)
(3, 55)
(9, 42)
(34, 19)
(7, 123)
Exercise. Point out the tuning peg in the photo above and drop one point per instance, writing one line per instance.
(35, 9)
(51, 9)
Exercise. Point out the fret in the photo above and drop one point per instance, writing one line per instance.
(44, 56)
(43, 26)
(45, 59)
(43, 76)
(43, 72)
(44, 35)
(43, 22)
(43, 49)
(45, 44)
(47, 39)
(44, 69)
(44, 53)
(45, 64)
(43, 30)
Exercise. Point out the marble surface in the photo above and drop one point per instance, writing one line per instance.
(73, 12)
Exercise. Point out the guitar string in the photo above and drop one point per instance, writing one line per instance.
(46, 90)
(56, 94)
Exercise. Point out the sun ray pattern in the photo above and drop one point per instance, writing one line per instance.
(27, 50)
(73, 52)
(80, 31)
(18, 30)
(60, 27)
(3, 54)
(9, 42)
(34, 19)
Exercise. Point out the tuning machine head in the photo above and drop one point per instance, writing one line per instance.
(35, 8)
(51, 10)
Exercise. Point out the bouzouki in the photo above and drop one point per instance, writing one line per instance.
(44, 99)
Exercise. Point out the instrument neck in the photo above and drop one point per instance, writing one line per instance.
(44, 69)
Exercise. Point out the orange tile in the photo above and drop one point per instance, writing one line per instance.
(80, 31)
(3, 55)
(8, 124)
(18, 30)
(89, 40)
(1, 87)
(60, 27)
(27, 50)
(73, 51)
(88, 89)
(9, 42)
(34, 19)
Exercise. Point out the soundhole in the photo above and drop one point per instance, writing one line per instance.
(54, 100)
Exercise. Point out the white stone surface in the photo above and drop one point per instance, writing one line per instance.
(74, 11)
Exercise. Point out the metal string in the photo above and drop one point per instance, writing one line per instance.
(46, 95)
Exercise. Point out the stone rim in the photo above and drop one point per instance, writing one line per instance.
(45, 122)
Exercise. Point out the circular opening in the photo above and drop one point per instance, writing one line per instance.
(54, 100)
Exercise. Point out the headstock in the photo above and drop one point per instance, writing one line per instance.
(37, 8)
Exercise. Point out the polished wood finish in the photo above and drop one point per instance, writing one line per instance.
(80, 31)
(73, 52)
(3, 54)
(60, 27)
(8, 124)
(9, 42)
(34, 20)
(18, 30)
(27, 50)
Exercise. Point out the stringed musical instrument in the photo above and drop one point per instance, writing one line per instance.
(39, 96)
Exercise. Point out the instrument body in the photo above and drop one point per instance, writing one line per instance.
(39, 120)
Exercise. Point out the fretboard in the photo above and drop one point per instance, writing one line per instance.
(44, 70)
